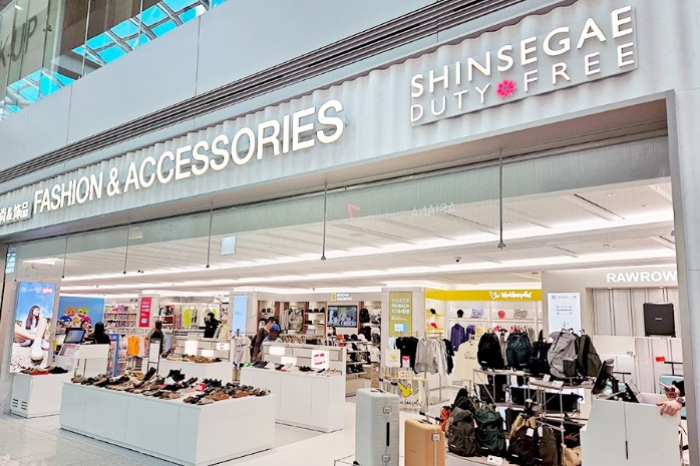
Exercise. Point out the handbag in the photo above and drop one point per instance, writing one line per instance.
(521, 314)
(570, 456)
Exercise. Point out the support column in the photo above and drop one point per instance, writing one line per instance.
(684, 145)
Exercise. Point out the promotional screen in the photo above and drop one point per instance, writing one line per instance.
(35, 304)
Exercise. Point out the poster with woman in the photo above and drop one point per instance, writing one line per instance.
(30, 346)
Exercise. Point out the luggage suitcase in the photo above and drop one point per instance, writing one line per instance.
(424, 444)
(376, 428)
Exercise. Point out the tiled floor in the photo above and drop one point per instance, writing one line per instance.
(40, 442)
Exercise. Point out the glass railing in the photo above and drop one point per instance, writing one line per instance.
(45, 45)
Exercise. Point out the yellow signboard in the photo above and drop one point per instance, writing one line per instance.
(400, 313)
(484, 295)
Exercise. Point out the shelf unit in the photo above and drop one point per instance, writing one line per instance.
(117, 317)
(315, 311)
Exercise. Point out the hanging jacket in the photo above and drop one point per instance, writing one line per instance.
(457, 336)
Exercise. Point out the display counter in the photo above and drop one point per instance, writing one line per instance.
(629, 434)
(305, 400)
(37, 395)
(170, 429)
(214, 370)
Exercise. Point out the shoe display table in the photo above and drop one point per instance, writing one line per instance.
(37, 395)
(181, 433)
(214, 370)
(303, 400)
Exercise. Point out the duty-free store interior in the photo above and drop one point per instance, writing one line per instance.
(526, 311)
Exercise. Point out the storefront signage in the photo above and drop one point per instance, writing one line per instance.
(145, 311)
(400, 313)
(15, 213)
(484, 295)
(564, 311)
(292, 133)
(481, 76)
(656, 276)
(341, 297)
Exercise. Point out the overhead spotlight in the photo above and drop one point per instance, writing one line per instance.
(18, 8)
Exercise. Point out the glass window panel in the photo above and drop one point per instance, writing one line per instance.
(99, 41)
(153, 15)
(30, 93)
(164, 28)
(112, 53)
(177, 5)
(125, 29)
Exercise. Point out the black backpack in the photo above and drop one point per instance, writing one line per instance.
(518, 350)
(490, 436)
(588, 360)
(489, 352)
(524, 443)
(461, 434)
(538, 358)
(364, 316)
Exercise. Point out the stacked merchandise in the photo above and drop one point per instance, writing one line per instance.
(292, 368)
(44, 370)
(172, 387)
(474, 429)
(190, 358)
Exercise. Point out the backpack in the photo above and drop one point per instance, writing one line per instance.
(489, 352)
(538, 358)
(461, 434)
(518, 350)
(563, 355)
(364, 316)
(490, 437)
(588, 360)
(523, 443)
(464, 401)
(548, 449)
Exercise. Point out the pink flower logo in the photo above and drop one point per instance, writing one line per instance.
(506, 88)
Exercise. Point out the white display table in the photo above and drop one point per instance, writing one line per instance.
(303, 400)
(170, 429)
(37, 395)
(214, 370)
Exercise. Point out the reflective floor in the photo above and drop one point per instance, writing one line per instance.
(40, 441)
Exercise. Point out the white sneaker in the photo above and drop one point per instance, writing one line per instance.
(36, 353)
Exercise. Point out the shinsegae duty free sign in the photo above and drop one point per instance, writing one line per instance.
(585, 50)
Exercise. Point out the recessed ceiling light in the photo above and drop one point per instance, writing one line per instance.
(17, 7)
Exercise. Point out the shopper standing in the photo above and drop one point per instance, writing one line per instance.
(99, 337)
(210, 325)
(157, 334)
(263, 333)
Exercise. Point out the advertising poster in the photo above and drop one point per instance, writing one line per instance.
(145, 311)
(74, 310)
(30, 345)
(400, 313)
(564, 310)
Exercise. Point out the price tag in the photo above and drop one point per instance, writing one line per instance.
(495, 460)
(540, 431)
(558, 384)
(530, 432)
(546, 378)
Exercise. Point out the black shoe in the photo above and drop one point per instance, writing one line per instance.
(151, 372)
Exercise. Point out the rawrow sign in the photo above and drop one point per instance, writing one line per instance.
(486, 76)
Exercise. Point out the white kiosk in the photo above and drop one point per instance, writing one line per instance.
(86, 360)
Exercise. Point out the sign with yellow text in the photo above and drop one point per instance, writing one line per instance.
(484, 295)
(400, 313)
